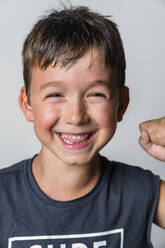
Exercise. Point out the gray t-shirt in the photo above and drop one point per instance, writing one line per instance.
(117, 213)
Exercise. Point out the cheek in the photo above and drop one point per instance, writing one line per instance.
(105, 115)
(46, 117)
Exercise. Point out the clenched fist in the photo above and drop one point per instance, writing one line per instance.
(152, 138)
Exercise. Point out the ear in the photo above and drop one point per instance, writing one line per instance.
(123, 104)
(25, 105)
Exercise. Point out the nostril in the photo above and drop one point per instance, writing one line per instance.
(76, 116)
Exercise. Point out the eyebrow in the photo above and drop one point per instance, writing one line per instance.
(50, 84)
(93, 84)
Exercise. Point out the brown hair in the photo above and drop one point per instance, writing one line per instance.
(64, 36)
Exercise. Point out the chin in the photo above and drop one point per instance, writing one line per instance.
(78, 160)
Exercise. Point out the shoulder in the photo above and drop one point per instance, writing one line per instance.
(12, 192)
(12, 174)
(14, 167)
(133, 187)
(13, 185)
(132, 179)
(7, 171)
(126, 170)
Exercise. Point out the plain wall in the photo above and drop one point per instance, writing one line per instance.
(141, 24)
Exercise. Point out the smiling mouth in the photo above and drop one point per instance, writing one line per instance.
(76, 141)
(75, 138)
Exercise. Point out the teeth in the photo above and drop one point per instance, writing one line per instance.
(77, 138)
(73, 137)
(67, 141)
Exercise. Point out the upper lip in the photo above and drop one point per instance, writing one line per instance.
(78, 133)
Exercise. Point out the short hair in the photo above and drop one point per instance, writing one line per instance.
(62, 37)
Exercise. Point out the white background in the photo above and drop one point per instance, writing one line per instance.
(142, 27)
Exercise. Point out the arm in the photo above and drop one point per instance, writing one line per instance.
(152, 140)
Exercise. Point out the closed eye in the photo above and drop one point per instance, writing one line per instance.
(54, 95)
(98, 94)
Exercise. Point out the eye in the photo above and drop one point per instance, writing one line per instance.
(54, 95)
(98, 94)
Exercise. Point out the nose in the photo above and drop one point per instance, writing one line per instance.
(76, 112)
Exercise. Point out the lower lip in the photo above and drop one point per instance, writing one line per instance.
(76, 146)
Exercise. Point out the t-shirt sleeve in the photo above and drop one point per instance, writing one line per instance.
(144, 188)
(154, 191)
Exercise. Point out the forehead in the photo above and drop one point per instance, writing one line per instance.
(90, 67)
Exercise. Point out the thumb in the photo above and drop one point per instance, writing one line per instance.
(144, 138)
(145, 142)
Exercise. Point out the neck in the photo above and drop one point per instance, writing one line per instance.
(64, 182)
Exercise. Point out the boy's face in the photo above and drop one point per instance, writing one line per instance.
(74, 109)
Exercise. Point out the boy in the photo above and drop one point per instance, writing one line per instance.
(68, 196)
